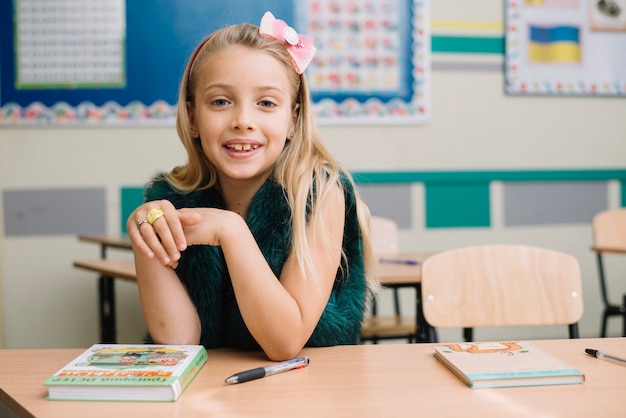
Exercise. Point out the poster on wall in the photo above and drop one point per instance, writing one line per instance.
(373, 60)
(69, 44)
(566, 47)
(118, 62)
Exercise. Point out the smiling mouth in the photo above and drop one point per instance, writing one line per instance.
(242, 147)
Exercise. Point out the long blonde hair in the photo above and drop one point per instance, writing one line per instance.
(305, 168)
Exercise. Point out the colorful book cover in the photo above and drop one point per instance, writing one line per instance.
(505, 364)
(124, 372)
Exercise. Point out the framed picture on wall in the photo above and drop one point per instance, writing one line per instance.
(565, 47)
(373, 60)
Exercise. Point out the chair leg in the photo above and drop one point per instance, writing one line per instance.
(624, 316)
(467, 334)
(604, 294)
(605, 318)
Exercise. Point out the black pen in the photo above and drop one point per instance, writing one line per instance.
(600, 354)
(259, 372)
(397, 261)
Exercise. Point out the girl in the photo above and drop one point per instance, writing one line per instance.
(261, 239)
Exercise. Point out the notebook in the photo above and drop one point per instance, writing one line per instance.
(505, 364)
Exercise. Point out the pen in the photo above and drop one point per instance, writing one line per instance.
(396, 261)
(259, 372)
(602, 355)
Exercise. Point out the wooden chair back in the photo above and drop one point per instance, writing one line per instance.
(609, 237)
(502, 285)
(384, 234)
(609, 229)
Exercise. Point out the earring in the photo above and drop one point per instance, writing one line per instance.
(291, 135)
(193, 133)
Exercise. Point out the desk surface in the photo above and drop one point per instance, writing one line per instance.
(110, 267)
(399, 273)
(365, 381)
(114, 241)
(388, 273)
(604, 249)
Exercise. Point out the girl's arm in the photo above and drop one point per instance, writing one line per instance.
(281, 315)
(170, 314)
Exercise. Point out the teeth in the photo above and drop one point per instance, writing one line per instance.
(243, 147)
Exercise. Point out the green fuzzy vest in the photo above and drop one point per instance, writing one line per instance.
(203, 269)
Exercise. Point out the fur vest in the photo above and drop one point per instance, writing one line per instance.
(203, 269)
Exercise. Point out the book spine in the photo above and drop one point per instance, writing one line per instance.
(191, 370)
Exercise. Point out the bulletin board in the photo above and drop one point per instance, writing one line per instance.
(566, 47)
(372, 65)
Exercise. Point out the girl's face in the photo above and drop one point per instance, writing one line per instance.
(242, 111)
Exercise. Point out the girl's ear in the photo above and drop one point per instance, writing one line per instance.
(294, 117)
(191, 115)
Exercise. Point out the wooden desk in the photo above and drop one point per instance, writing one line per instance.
(108, 270)
(389, 274)
(119, 269)
(605, 249)
(385, 380)
(407, 275)
(121, 242)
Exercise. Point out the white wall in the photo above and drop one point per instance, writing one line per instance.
(48, 303)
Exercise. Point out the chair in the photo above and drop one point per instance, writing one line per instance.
(609, 237)
(384, 235)
(502, 285)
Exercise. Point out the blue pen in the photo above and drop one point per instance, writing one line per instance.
(396, 261)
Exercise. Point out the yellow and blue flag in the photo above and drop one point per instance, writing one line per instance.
(554, 44)
(554, 3)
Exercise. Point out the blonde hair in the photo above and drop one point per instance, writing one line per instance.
(305, 169)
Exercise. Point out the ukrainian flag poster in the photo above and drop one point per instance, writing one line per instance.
(553, 44)
(565, 47)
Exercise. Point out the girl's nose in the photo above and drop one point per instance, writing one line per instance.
(242, 118)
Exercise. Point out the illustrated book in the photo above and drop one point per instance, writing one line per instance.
(127, 372)
(505, 364)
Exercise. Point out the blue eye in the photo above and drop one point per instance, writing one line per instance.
(266, 103)
(219, 102)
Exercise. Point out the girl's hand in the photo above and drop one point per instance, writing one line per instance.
(207, 226)
(164, 238)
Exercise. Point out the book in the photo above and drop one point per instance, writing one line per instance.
(505, 364)
(127, 372)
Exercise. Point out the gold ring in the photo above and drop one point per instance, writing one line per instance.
(154, 214)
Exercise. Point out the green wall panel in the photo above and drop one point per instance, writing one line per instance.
(467, 44)
(131, 197)
(479, 176)
(453, 205)
(454, 199)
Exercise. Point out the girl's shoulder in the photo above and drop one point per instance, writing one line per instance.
(160, 188)
(348, 186)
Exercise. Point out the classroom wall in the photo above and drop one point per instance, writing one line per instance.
(474, 128)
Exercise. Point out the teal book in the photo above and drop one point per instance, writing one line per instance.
(127, 372)
(505, 364)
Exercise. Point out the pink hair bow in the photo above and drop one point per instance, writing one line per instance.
(300, 47)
